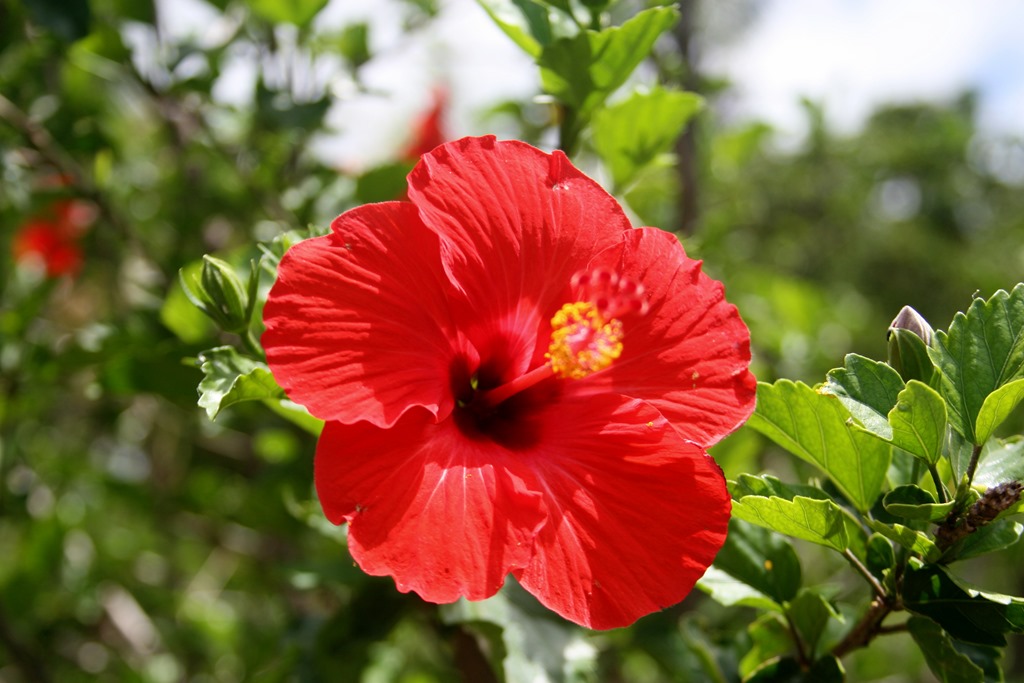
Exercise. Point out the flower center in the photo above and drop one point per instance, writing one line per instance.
(582, 341)
(586, 335)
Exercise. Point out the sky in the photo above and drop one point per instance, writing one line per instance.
(848, 55)
(853, 55)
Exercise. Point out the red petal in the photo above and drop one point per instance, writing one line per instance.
(520, 222)
(440, 513)
(635, 513)
(689, 355)
(358, 323)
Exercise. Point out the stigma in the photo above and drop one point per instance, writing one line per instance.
(583, 341)
(586, 335)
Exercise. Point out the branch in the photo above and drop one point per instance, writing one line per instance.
(866, 629)
(868, 576)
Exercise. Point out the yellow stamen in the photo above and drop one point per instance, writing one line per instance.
(582, 341)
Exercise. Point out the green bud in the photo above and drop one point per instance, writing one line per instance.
(910, 335)
(218, 292)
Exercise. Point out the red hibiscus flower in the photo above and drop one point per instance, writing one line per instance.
(52, 239)
(514, 381)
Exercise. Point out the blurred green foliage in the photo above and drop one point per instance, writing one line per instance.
(140, 541)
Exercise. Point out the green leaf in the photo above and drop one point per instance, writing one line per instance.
(231, 378)
(1000, 463)
(909, 356)
(524, 21)
(787, 670)
(913, 502)
(818, 521)
(911, 539)
(761, 560)
(988, 539)
(997, 407)
(767, 485)
(584, 69)
(729, 591)
(770, 640)
(816, 427)
(810, 613)
(918, 421)
(383, 183)
(630, 134)
(966, 613)
(869, 389)
(295, 414)
(180, 314)
(298, 12)
(948, 665)
(536, 646)
(879, 556)
(983, 351)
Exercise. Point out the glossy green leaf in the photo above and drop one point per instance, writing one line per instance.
(817, 428)
(997, 407)
(818, 521)
(959, 451)
(966, 613)
(911, 539)
(913, 502)
(879, 556)
(988, 658)
(982, 351)
(1000, 463)
(810, 613)
(180, 314)
(231, 378)
(298, 12)
(948, 665)
(630, 134)
(998, 535)
(761, 560)
(918, 421)
(584, 69)
(869, 389)
(729, 591)
(766, 485)
(909, 356)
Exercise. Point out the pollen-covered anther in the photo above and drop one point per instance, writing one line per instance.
(583, 341)
(614, 295)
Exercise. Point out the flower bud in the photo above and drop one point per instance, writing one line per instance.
(219, 293)
(912, 321)
(910, 335)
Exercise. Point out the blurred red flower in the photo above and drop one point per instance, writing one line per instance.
(514, 380)
(429, 129)
(51, 239)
